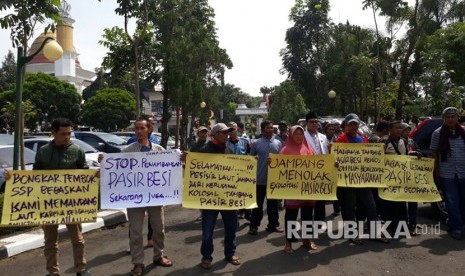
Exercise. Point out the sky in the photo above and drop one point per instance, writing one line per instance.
(251, 31)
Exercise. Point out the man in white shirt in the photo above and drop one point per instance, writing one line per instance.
(319, 144)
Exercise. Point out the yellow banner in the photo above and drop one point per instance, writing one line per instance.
(409, 179)
(50, 197)
(219, 181)
(360, 165)
(302, 177)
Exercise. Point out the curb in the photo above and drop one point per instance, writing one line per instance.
(34, 239)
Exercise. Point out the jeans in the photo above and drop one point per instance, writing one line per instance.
(306, 214)
(271, 210)
(208, 226)
(454, 190)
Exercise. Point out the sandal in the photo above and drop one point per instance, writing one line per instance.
(233, 260)
(206, 264)
(309, 245)
(163, 261)
(138, 270)
(288, 248)
(356, 241)
(253, 231)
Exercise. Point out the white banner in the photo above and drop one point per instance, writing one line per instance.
(138, 179)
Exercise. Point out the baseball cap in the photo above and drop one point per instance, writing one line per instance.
(352, 117)
(450, 110)
(202, 128)
(382, 125)
(220, 127)
(405, 126)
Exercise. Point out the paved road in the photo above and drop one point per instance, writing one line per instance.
(261, 255)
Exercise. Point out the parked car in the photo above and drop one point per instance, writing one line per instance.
(34, 143)
(6, 139)
(126, 135)
(6, 161)
(422, 137)
(102, 141)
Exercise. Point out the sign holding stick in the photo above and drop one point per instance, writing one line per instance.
(360, 165)
(302, 177)
(50, 197)
(138, 179)
(220, 181)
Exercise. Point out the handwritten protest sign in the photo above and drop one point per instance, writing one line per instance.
(302, 177)
(219, 181)
(138, 179)
(360, 165)
(409, 179)
(50, 197)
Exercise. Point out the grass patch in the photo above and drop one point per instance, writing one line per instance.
(5, 231)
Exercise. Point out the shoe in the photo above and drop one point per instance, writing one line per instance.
(138, 270)
(149, 243)
(309, 245)
(336, 214)
(54, 274)
(456, 235)
(128, 251)
(84, 273)
(288, 248)
(206, 264)
(198, 219)
(356, 241)
(253, 231)
(163, 261)
(276, 229)
(233, 260)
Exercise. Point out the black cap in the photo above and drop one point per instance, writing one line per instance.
(311, 115)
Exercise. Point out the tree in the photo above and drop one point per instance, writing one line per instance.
(8, 72)
(287, 103)
(109, 109)
(42, 91)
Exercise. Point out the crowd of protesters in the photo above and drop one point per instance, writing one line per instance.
(355, 204)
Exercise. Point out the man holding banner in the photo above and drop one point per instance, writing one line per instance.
(62, 154)
(262, 149)
(348, 195)
(155, 213)
(219, 133)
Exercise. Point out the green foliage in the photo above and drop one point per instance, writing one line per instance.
(287, 103)
(8, 72)
(109, 109)
(40, 95)
(25, 15)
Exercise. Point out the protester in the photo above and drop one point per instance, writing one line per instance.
(297, 145)
(240, 146)
(283, 132)
(412, 207)
(219, 134)
(202, 135)
(380, 134)
(262, 149)
(349, 196)
(448, 146)
(155, 213)
(153, 138)
(394, 144)
(61, 154)
(319, 145)
(241, 131)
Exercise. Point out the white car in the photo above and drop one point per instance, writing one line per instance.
(34, 143)
(6, 161)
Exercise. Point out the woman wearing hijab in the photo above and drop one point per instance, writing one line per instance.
(297, 145)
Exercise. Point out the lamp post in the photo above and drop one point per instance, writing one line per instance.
(52, 51)
(203, 104)
(332, 96)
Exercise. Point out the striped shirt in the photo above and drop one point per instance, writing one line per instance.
(455, 163)
(262, 148)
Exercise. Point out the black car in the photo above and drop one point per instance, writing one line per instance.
(105, 142)
(422, 137)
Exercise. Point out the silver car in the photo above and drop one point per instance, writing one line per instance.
(6, 161)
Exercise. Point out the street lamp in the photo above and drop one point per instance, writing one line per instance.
(203, 104)
(332, 96)
(52, 51)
